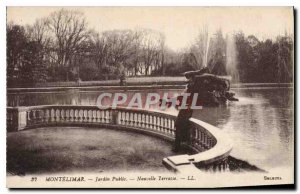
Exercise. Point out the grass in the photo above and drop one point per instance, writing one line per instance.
(72, 149)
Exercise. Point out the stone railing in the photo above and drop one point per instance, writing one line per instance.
(151, 122)
(210, 147)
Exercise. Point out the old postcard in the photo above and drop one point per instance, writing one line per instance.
(150, 97)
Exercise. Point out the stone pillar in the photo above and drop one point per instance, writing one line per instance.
(19, 119)
(114, 117)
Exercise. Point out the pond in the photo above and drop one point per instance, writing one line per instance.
(261, 123)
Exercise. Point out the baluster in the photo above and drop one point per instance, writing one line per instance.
(79, 115)
(134, 120)
(209, 141)
(220, 167)
(46, 116)
(101, 116)
(190, 135)
(201, 138)
(166, 125)
(57, 116)
(72, 116)
(34, 117)
(130, 118)
(119, 115)
(158, 123)
(162, 121)
(197, 136)
(28, 117)
(98, 116)
(169, 126)
(155, 122)
(37, 115)
(198, 140)
(67, 115)
(104, 116)
(93, 116)
(205, 141)
(52, 114)
(84, 115)
(110, 116)
(42, 115)
(107, 113)
(62, 115)
(146, 121)
(152, 121)
(138, 124)
(29, 113)
(127, 119)
(123, 118)
(173, 127)
(143, 120)
(76, 115)
(31, 117)
(122, 115)
(89, 116)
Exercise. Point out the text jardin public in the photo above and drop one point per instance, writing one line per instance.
(105, 178)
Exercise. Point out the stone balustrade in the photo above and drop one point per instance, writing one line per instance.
(210, 147)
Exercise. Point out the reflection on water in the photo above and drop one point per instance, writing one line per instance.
(260, 124)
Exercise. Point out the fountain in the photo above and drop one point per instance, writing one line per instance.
(231, 58)
(212, 90)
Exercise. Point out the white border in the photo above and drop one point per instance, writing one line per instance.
(4, 3)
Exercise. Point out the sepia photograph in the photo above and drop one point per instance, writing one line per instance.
(150, 97)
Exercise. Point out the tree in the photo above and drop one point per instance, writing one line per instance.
(119, 49)
(202, 46)
(245, 59)
(284, 65)
(16, 41)
(217, 54)
(70, 31)
(25, 58)
(39, 32)
(33, 68)
(151, 49)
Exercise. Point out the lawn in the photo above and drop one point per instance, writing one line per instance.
(74, 149)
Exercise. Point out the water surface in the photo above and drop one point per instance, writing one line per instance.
(260, 124)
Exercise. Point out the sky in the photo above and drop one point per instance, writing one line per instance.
(179, 24)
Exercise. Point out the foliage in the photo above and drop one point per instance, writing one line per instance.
(61, 47)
